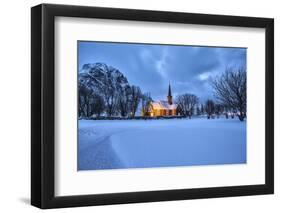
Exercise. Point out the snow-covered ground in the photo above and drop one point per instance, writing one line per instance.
(114, 144)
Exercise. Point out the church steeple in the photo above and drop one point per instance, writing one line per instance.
(170, 97)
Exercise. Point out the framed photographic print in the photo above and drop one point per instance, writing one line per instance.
(139, 106)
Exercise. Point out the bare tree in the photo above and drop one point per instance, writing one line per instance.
(209, 108)
(202, 109)
(135, 99)
(111, 103)
(128, 101)
(96, 105)
(230, 90)
(218, 110)
(81, 100)
(110, 94)
(146, 101)
(84, 100)
(186, 104)
(198, 110)
(124, 100)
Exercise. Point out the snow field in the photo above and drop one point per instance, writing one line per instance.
(114, 144)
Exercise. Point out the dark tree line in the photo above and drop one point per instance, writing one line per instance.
(124, 102)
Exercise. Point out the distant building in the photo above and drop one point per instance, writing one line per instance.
(163, 108)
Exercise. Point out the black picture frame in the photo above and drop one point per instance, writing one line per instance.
(43, 110)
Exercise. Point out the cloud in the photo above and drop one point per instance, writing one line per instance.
(161, 64)
(188, 68)
(204, 76)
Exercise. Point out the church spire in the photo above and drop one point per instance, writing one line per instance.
(170, 97)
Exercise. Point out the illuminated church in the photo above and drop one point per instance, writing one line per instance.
(164, 108)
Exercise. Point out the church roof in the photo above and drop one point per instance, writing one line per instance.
(163, 105)
(169, 90)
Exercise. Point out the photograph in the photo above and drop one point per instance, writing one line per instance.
(160, 105)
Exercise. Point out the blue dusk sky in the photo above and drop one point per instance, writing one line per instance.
(189, 69)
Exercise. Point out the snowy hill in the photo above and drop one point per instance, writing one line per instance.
(104, 90)
(100, 77)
